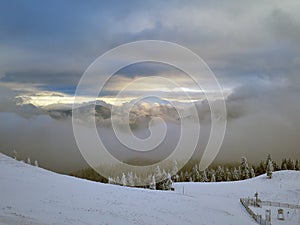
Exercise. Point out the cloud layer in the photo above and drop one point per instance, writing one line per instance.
(252, 47)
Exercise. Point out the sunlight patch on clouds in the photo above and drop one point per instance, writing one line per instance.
(118, 82)
(186, 92)
(47, 99)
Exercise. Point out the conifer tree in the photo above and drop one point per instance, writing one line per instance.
(196, 174)
(153, 183)
(176, 178)
(284, 164)
(164, 175)
(267, 160)
(168, 183)
(181, 177)
(252, 172)
(269, 169)
(174, 170)
(130, 180)
(290, 164)
(297, 165)
(204, 176)
(269, 166)
(15, 154)
(228, 175)
(235, 174)
(111, 180)
(186, 176)
(220, 174)
(261, 169)
(157, 173)
(244, 169)
(212, 175)
(118, 181)
(124, 180)
(213, 178)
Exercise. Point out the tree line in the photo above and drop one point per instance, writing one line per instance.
(162, 180)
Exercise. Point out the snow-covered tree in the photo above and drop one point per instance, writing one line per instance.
(153, 184)
(284, 164)
(176, 178)
(124, 180)
(181, 177)
(228, 175)
(168, 183)
(111, 180)
(297, 165)
(28, 161)
(267, 160)
(269, 166)
(212, 175)
(275, 166)
(36, 163)
(261, 168)
(213, 178)
(244, 168)
(15, 154)
(136, 180)
(196, 174)
(186, 176)
(269, 169)
(235, 174)
(220, 174)
(204, 176)
(158, 173)
(174, 170)
(290, 164)
(164, 175)
(130, 180)
(118, 180)
(252, 172)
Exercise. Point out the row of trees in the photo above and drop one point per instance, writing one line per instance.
(28, 161)
(241, 172)
(286, 164)
(213, 174)
(160, 180)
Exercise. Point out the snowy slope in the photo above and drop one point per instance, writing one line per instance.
(30, 195)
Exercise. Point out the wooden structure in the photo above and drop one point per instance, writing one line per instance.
(280, 215)
(257, 200)
(268, 215)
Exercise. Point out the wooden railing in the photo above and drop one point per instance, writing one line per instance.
(246, 202)
(279, 204)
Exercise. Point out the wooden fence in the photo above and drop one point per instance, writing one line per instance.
(279, 204)
(246, 202)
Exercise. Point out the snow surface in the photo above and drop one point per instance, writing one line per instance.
(31, 195)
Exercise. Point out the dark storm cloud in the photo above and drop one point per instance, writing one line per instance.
(147, 69)
(41, 78)
(55, 38)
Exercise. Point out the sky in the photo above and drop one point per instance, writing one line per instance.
(251, 46)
